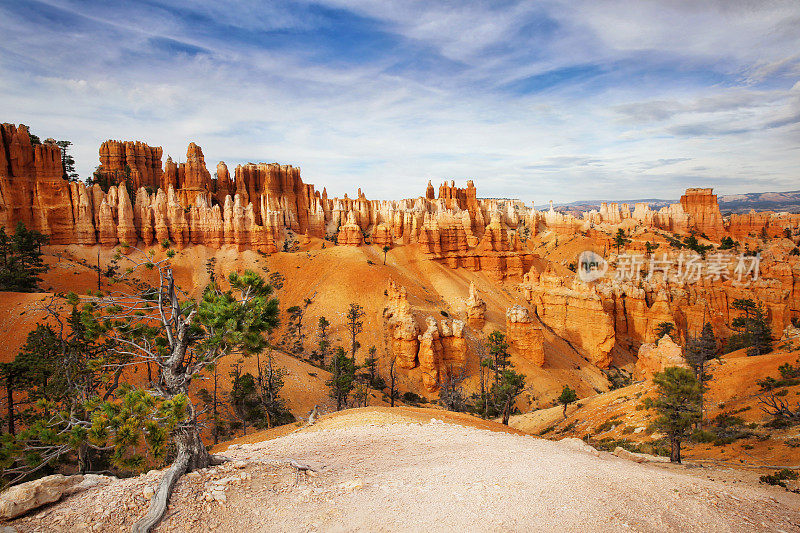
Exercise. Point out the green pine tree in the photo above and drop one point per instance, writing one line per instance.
(567, 396)
(343, 373)
(21, 260)
(678, 406)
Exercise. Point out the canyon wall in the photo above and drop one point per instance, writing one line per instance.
(614, 313)
(260, 203)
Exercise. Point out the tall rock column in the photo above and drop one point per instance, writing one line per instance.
(430, 355)
(402, 326)
(476, 307)
(524, 337)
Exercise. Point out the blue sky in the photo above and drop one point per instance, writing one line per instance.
(563, 100)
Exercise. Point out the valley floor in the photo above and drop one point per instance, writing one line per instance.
(407, 469)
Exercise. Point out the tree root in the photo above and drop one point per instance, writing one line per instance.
(158, 505)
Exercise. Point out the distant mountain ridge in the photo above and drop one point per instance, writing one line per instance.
(788, 201)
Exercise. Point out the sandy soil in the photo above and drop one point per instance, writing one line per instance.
(413, 472)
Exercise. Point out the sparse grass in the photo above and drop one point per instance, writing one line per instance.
(569, 427)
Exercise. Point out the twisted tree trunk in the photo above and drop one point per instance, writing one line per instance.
(192, 454)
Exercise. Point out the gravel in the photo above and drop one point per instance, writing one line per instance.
(428, 477)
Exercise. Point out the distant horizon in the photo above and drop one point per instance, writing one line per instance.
(559, 99)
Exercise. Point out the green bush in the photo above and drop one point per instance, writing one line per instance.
(779, 477)
(412, 398)
(703, 436)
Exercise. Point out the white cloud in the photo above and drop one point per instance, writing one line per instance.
(388, 130)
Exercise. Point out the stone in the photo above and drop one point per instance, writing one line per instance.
(137, 161)
(430, 354)
(703, 209)
(89, 481)
(579, 445)
(24, 497)
(622, 453)
(350, 232)
(403, 326)
(575, 311)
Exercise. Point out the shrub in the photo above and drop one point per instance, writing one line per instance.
(569, 427)
(788, 371)
(779, 477)
(605, 426)
(703, 436)
(413, 398)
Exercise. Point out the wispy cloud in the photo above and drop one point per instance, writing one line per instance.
(555, 99)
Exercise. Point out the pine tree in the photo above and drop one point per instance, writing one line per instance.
(498, 350)
(21, 259)
(59, 372)
(620, 239)
(270, 382)
(506, 390)
(183, 337)
(567, 396)
(355, 324)
(67, 161)
(371, 367)
(699, 351)
(754, 332)
(678, 405)
(244, 398)
(664, 328)
(323, 344)
(343, 373)
(214, 406)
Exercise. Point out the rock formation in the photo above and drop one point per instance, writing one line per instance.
(524, 336)
(439, 351)
(131, 161)
(574, 312)
(654, 358)
(402, 326)
(702, 206)
(350, 232)
(32, 189)
(30, 495)
(476, 308)
(260, 203)
(430, 354)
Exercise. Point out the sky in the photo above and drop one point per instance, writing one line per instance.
(558, 100)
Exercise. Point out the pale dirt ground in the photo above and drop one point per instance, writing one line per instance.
(410, 471)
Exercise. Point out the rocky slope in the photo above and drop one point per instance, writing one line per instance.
(410, 470)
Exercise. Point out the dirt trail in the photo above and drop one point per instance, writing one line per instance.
(384, 473)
